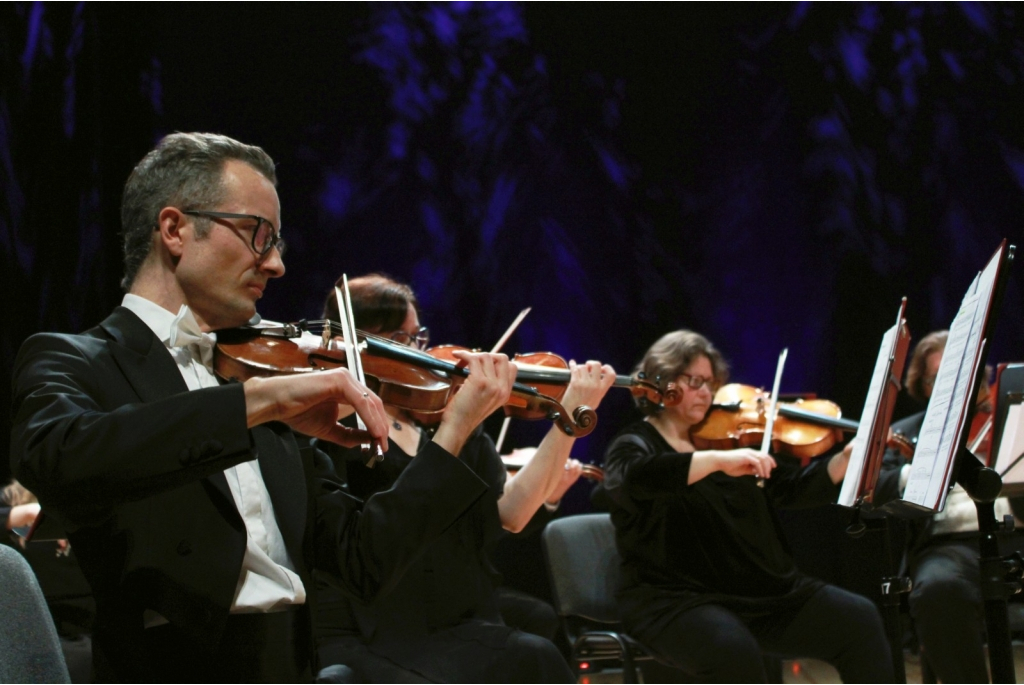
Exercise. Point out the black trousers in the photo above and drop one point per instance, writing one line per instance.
(527, 613)
(255, 648)
(947, 608)
(717, 646)
(472, 652)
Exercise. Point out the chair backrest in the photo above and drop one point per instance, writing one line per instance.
(29, 647)
(583, 565)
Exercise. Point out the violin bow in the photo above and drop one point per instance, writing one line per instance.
(355, 362)
(769, 426)
(494, 350)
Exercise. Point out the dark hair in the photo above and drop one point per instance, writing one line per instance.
(929, 344)
(379, 303)
(184, 170)
(671, 355)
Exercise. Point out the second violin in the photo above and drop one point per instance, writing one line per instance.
(402, 376)
(548, 374)
(737, 418)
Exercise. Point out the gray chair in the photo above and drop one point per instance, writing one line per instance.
(29, 647)
(583, 564)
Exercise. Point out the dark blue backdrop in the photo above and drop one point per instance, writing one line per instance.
(770, 175)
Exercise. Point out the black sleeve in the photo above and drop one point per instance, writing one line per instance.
(366, 548)
(64, 443)
(480, 455)
(794, 487)
(634, 469)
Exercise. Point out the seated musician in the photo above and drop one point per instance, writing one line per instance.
(442, 621)
(196, 513)
(67, 593)
(708, 581)
(942, 550)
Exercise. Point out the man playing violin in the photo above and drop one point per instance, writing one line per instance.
(942, 550)
(442, 622)
(197, 513)
(708, 582)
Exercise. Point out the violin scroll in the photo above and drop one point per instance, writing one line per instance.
(584, 417)
(648, 394)
(672, 395)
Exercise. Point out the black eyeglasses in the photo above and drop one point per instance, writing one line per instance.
(697, 382)
(420, 339)
(264, 236)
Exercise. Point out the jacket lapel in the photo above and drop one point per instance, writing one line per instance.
(148, 367)
(144, 360)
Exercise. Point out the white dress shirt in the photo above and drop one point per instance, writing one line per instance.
(268, 581)
(960, 515)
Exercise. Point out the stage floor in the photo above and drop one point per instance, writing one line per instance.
(814, 671)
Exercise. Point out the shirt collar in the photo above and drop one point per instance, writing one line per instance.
(159, 320)
(153, 315)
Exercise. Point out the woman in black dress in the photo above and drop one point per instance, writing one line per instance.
(441, 622)
(708, 581)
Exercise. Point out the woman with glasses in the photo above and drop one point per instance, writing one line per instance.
(709, 584)
(441, 622)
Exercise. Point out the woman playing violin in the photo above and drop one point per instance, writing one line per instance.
(441, 621)
(708, 580)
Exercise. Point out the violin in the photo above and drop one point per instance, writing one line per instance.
(401, 376)
(548, 374)
(804, 429)
(514, 462)
(737, 418)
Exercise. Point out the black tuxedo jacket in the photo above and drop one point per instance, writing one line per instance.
(107, 435)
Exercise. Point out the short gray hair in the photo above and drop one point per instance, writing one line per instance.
(184, 170)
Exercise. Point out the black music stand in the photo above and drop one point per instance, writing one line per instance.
(859, 491)
(1001, 576)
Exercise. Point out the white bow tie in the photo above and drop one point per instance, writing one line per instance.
(185, 332)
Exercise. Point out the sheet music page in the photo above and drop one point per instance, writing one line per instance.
(925, 478)
(1012, 447)
(855, 470)
(955, 422)
(944, 422)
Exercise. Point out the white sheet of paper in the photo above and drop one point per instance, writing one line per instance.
(926, 474)
(855, 469)
(944, 420)
(1011, 447)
